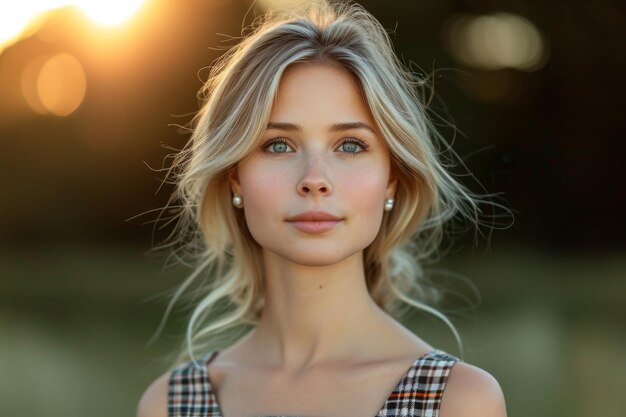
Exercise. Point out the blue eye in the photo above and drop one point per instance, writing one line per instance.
(351, 145)
(277, 145)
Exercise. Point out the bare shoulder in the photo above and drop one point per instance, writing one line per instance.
(153, 402)
(471, 391)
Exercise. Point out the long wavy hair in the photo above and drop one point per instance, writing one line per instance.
(237, 100)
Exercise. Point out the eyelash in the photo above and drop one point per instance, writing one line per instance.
(359, 142)
(270, 142)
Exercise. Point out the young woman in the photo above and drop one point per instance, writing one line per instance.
(313, 191)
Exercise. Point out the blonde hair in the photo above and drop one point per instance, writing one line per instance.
(238, 98)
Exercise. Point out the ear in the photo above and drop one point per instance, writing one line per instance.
(233, 181)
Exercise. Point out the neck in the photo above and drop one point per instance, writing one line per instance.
(315, 313)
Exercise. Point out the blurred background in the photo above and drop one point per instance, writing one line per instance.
(91, 93)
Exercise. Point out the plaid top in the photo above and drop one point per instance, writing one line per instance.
(418, 393)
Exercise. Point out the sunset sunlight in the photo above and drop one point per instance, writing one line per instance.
(19, 19)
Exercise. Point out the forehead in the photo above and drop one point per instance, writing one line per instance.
(315, 90)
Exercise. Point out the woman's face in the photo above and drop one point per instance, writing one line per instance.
(320, 153)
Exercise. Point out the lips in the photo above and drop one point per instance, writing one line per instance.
(313, 216)
(314, 222)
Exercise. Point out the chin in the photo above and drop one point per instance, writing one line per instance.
(318, 258)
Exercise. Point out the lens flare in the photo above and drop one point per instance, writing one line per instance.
(61, 84)
(111, 12)
(497, 41)
(28, 83)
(20, 18)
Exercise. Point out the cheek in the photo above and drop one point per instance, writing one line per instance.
(262, 190)
(367, 188)
(364, 198)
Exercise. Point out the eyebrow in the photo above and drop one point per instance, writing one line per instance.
(336, 127)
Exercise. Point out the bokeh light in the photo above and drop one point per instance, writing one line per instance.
(28, 83)
(497, 41)
(61, 84)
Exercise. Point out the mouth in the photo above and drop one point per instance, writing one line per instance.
(314, 216)
(314, 222)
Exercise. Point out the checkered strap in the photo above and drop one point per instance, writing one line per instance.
(419, 393)
(189, 392)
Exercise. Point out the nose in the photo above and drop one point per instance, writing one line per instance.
(314, 180)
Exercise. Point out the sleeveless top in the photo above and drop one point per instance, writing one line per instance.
(417, 394)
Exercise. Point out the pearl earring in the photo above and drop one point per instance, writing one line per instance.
(389, 204)
(237, 201)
